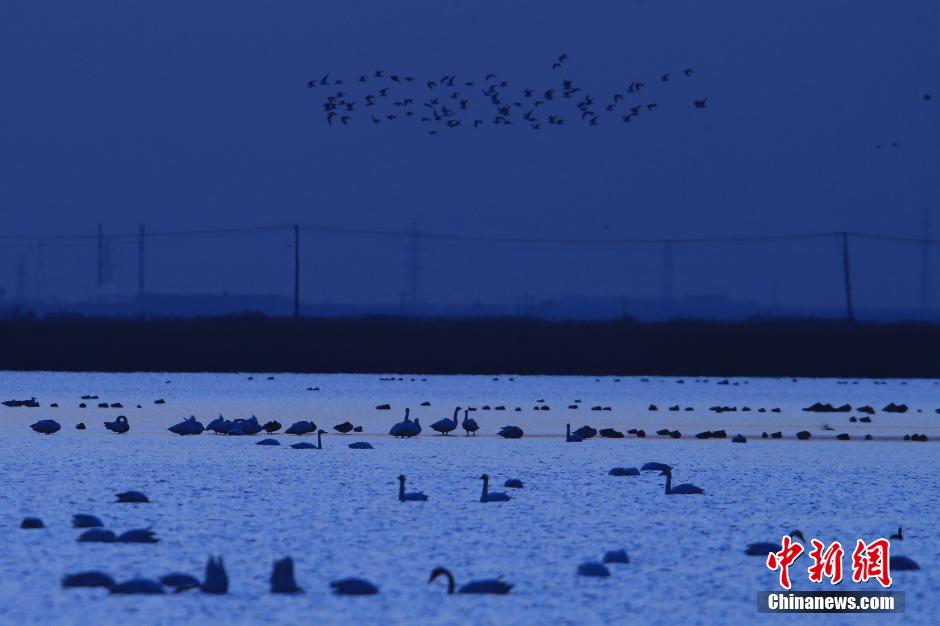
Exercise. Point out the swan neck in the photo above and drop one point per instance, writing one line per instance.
(319, 440)
(401, 489)
(668, 483)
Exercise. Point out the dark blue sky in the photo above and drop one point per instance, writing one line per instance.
(189, 115)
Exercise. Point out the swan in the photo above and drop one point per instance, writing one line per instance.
(513, 483)
(97, 535)
(282, 577)
(496, 496)
(304, 445)
(132, 496)
(31, 522)
(402, 428)
(624, 471)
(899, 536)
(490, 585)
(763, 548)
(594, 569)
(903, 564)
(569, 438)
(216, 580)
(414, 496)
(616, 556)
(353, 587)
(469, 424)
(88, 579)
(119, 425)
(46, 427)
(179, 582)
(345, 428)
(83, 520)
(361, 445)
(269, 442)
(511, 432)
(272, 427)
(445, 426)
(654, 466)
(251, 426)
(80, 426)
(301, 428)
(586, 432)
(189, 426)
(681, 490)
(610, 433)
(138, 586)
(216, 424)
(138, 535)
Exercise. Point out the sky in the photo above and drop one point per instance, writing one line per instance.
(193, 115)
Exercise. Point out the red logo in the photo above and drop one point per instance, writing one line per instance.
(869, 561)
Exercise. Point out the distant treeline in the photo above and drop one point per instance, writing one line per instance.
(471, 346)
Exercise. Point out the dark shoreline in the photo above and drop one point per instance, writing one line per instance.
(808, 348)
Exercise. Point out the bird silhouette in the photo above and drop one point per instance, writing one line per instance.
(495, 496)
(487, 586)
(414, 496)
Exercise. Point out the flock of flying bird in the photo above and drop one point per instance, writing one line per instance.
(449, 102)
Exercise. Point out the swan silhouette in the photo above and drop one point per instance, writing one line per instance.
(445, 426)
(513, 483)
(624, 471)
(616, 556)
(301, 428)
(898, 535)
(353, 587)
(83, 520)
(593, 569)
(97, 535)
(345, 428)
(138, 535)
(414, 496)
(511, 432)
(269, 442)
(763, 548)
(496, 496)
(46, 427)
(680, 490)
(306, 445)
(189, 426)
(654, 466)
(402, 428)
(88, 579)
(179, 582)
(489, 585)
(282, 577)
(272, 427)
(132, 496)
(138, 586)
(361, 445)
(469, 424)
(119, 425)
(216, 579)
(569, 438)
(31, 522)
(586, 432)
(903, 564)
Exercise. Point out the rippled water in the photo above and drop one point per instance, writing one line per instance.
(335, 510)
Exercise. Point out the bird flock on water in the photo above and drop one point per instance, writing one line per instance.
(449, 101)
(282, 578)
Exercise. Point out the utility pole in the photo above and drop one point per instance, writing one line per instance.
(140, 261)
(100, 280)
(925, 299)
(847, 276)
(296, 271)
